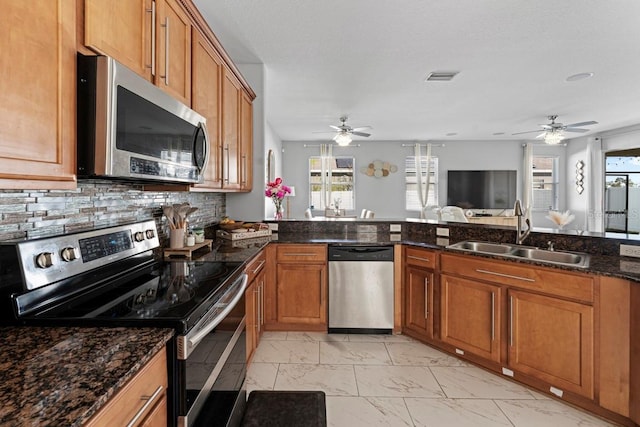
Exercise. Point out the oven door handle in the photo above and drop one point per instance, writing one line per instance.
(194, 340)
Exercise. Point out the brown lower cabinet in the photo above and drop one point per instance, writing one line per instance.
(419, 291)
(552, 339)
(570, 334)
(142, 401)
(471, 316)
(254, 302)
(296, 294)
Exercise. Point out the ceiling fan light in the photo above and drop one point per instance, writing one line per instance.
(342, 139)
(553, 137)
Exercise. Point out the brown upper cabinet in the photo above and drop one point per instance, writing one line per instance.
(206, 78)
(169, 43)
(37, 112)
(152, 37)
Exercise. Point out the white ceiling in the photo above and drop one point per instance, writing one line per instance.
(368, 59)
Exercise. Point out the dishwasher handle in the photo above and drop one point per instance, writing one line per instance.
(360, 253)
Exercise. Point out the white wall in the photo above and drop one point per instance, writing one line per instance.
(385, 196)
(253, 206)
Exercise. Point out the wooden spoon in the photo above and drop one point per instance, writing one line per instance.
(168, 212)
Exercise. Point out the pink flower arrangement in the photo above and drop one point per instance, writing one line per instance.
(277, 191)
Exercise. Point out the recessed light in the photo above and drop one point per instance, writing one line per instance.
(498, 133)
(579, 76)
(452, 134)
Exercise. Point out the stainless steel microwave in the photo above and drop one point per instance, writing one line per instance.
(130, 129)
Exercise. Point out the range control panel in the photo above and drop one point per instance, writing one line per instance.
(48, 260)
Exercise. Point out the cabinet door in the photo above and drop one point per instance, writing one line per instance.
(419, 301)
(121, 29)
(38, 87)
(301, 294)
(173, 47)
(246, 142)
(471, 316)
(552, 339)
(251, 314)
(260, 279)
(206, 72)
(230, 131)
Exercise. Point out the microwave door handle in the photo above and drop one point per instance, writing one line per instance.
(202, 127)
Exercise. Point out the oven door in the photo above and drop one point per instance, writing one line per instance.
(211, 378)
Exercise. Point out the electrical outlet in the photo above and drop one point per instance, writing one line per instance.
(442, 232)
(630, 250)
(395, 228)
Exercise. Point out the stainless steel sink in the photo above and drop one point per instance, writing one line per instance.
(506, 250)
(484, 247)
(555, 257)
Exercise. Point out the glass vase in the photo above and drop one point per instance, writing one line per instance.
(278, 213)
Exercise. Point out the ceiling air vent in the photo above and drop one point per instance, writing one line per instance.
(441, 76)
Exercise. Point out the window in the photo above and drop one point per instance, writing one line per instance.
(411, 183)
(545, 183)
(331, 181)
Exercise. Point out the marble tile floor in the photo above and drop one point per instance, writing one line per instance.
(393, 380)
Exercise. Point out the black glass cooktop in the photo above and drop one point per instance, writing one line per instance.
(173, 294)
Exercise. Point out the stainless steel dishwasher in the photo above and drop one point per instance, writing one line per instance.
(361, 289)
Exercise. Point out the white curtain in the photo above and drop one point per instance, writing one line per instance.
(326, 162)
(595, 185)
(527, 182)
(423, 190)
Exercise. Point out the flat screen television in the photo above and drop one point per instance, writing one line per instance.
(481, 189)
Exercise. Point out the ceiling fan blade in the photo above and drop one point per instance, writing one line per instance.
(575, 130)
(360, 134)
(361, 128)
(529, 131)
(541, 135)
(335, 127)
(323, 131)
(576, 125)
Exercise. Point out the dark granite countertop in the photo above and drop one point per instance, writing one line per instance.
(605, 265)
(62, 376)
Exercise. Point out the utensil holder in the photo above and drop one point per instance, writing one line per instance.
(176, 238)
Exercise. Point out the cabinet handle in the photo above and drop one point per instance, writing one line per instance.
(166, 51)
(261, 305)
(493, 316)
(417, 258)
(150, 401)
(258, 267)
(153, 38)
(226, 169)
(526, 279)
(244, 170)
(256, 307)
(300, 254)
(511, 321)
(426, 297)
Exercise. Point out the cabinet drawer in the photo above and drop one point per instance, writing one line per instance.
(420, 257)
(255, 266)
(150, 383)
(301, 253)
(554, 282)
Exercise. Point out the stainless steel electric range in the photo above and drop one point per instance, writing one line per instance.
(109, 277)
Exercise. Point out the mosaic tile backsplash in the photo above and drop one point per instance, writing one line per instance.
(95, 204)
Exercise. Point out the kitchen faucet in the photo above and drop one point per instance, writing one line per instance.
(517, 211)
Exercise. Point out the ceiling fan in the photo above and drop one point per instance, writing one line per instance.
(553, 132)
(344, 132)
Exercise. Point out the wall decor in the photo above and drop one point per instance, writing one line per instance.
(379, 169)
(580, 176)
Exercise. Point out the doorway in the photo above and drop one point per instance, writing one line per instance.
(622, 192)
